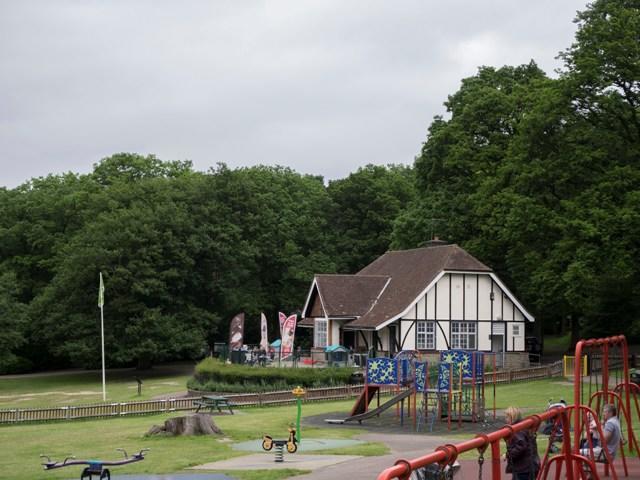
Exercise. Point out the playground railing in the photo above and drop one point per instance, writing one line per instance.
(447, 454)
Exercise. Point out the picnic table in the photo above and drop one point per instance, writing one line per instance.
(212, 402)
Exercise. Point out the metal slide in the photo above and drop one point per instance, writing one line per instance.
(376, 411)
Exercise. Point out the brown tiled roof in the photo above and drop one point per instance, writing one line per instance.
(349, 295)
(411, 271)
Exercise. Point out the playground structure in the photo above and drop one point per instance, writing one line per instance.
(572, 425)
(458, 391)
(94, 467)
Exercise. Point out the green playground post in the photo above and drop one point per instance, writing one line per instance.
(298, 392)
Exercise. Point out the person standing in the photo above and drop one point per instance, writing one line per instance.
(519, 454)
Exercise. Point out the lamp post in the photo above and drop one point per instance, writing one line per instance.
(298, 392)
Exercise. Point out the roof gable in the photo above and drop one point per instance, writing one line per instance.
(411, 272)
(347, 295)
(386, 287)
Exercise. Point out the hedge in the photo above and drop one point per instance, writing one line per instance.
(213, 375)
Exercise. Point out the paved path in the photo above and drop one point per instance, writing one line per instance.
(401, 445)
(264, 461)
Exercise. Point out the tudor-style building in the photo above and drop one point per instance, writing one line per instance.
(434, 298)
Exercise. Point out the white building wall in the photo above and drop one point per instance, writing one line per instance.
(507, 306)
(518, 315)
(334, 333)
(484, 341)
(442, 338)
(470, 297)
(515, 342)
(442, 312)
(457, 294)
(408, 329)
(430, 312)
(421, 308)
(471, 290)
(484, 300)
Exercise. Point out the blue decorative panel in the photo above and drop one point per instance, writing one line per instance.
(382, 371)
(464, 360)
(444, 372)
(421, 373)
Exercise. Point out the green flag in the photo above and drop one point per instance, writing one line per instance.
(101, 292)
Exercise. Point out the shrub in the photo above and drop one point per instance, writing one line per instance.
(212, 375)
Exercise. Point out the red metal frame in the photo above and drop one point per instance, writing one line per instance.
(570, 458)
(447, 454)
(602, 344)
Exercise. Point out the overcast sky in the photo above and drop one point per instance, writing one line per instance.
(323, 87)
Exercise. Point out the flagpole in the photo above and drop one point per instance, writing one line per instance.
(101, 305)
(104, 385)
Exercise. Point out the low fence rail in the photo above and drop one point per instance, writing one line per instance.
(119, 409)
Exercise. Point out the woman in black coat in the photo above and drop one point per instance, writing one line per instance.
(519, 455)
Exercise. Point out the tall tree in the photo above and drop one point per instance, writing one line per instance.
(365, 205)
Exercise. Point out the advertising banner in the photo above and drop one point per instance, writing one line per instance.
(288, 331)
(264, 340)
(236, 332)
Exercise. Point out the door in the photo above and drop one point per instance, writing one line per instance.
(349, 339)
(497, 342)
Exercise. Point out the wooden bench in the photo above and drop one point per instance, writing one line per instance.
(213, 402)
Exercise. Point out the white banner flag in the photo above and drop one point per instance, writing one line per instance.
(264, 339)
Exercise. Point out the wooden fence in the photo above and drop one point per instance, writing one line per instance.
(120, 409)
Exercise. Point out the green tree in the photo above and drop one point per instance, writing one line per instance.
(12, 325)
(365, 205)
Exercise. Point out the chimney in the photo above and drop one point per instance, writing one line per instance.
(434, 242)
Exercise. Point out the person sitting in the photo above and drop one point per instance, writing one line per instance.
(592, 434)
(612, 435)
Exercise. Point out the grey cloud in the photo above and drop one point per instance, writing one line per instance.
(321, 86)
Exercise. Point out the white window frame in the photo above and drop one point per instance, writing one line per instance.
(320, 333)
(464, 335)
(425, 335)
(515, 330)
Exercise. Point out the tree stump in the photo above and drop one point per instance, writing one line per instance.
(195, 424)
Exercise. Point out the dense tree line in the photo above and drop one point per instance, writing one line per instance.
(539, 177)
(180, 251)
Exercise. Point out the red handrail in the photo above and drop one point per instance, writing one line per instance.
(447, 454)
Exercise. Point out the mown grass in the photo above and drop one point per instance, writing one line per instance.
(531, 396)
(22, 444)
(62, 389)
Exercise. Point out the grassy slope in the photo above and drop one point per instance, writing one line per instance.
(84, 388)
(22, 444)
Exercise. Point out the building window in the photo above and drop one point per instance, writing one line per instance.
(425, 335)
(516, 330)
(320, 333)
(463, 335)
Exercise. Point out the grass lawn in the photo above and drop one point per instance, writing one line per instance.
(22, 444)
(60, 389)
(531, 396)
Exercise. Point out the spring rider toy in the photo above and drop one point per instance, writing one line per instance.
(292, 442)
